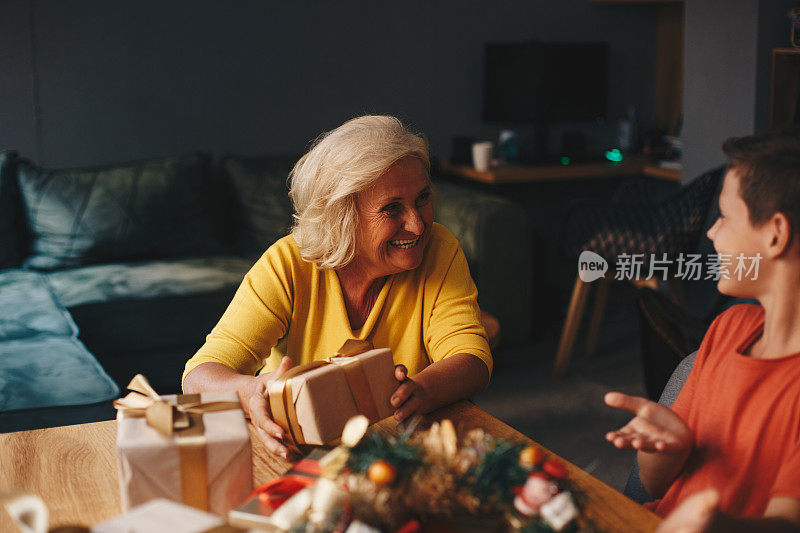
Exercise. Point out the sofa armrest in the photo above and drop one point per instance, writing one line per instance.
(495, 237)
(13, 230)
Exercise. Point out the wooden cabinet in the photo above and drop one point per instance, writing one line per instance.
(668, 93)
(499, 175)
(634, 2)
(785, 88)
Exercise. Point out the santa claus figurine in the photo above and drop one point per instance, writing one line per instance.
(538, 490)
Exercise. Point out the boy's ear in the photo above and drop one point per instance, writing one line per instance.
(780, 235)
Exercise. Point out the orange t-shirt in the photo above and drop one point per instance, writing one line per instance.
(745, 414)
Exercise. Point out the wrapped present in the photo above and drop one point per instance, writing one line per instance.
(313, 402)
(165, 515)
(191, 448)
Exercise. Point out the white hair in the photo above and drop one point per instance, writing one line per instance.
(325, 181)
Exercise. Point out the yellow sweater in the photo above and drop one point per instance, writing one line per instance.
(286, 306)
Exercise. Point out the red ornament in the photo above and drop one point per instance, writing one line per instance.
(555, 468)
(410, 527)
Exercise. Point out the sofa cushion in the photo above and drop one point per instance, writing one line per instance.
(153, 208)
(12, 227)
(261, 204)
(50, 371)
(494, 234)
(29, 308)
(146, 280)
(124, 309)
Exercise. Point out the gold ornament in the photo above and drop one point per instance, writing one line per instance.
(382, 473)
(530, 457)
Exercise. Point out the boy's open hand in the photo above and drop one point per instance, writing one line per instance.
(655, 428)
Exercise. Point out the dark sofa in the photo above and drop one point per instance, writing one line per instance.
(110, 271)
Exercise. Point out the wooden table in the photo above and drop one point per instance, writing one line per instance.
(74, 469)
(505, 174)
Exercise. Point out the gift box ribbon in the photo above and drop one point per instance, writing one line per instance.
(183, 421)
(281, 396)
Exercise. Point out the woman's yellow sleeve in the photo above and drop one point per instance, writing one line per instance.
(257, 317)
(455, 323)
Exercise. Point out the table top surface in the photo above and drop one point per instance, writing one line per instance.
(74, 470)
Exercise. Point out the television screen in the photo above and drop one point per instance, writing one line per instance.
(544, 82)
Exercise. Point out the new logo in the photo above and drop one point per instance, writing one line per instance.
(591, 266)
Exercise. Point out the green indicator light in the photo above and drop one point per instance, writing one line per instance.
(614, 155)
(565, 160)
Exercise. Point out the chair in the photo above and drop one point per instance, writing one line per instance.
(667, 333)
(633, 223)
(634, 488)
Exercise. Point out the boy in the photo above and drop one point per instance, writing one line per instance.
(726, 455)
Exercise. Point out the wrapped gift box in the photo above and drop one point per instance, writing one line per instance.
(164, 515)
(313, 402)
(205, 463)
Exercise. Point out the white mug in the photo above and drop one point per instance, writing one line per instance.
(482, 155)
(27, 511)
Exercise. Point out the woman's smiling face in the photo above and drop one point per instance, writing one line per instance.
(395, 216)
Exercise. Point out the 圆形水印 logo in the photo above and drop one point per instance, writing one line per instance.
(591, 266)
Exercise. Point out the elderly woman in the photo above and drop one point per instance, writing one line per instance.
(364, 261)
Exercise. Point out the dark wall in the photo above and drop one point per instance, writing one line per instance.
(91, 82)
(773, 32)
(17, 124)
(719, 79)
(727, 68)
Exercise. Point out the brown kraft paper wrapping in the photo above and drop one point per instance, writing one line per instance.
(316, 400)
(150, 464)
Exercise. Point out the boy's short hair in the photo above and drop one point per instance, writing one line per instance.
(768, 166)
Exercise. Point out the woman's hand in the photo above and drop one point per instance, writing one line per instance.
(255, 402)
(695, 514)
(655, 428)
(410, 398)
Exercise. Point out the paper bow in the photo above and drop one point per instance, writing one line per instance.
(164, 416)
